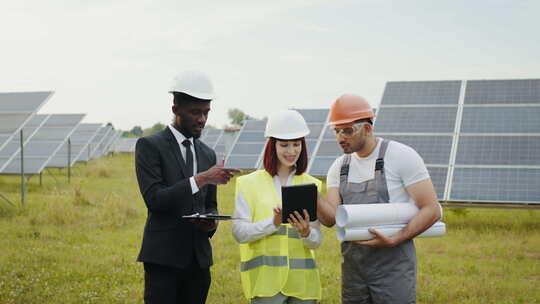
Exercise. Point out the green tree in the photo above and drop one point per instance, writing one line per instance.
(136, 131)
(154, 129)
(238, 116)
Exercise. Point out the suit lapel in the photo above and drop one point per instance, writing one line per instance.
(176, 151)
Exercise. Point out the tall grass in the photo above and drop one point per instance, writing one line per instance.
(77, 243)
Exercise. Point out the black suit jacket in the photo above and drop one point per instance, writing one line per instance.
(164, 184)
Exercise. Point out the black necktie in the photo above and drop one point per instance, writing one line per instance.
(189, 157)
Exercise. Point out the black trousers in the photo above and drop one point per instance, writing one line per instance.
(169, 285)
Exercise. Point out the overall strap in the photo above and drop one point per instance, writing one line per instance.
(380, 177)
(344, 174)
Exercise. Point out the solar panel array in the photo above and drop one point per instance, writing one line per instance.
(124, 144)
(479, 138)
(44, 144)
(29, 143)
(79, 141)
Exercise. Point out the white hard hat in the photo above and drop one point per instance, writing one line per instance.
(193, 83)
(288, 124)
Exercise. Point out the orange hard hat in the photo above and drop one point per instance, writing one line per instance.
(348, 108)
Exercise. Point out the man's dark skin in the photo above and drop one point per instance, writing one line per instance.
(190, 119)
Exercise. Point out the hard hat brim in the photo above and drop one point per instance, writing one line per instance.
(288, 136)
(346, 121)
(204, 96)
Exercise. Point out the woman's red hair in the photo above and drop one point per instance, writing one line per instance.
(271, 160)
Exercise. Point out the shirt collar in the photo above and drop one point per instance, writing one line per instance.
(289, 178)
(179, 136)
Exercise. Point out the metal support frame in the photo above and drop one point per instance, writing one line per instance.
(23, 185)
(88, 159)
(69, 160)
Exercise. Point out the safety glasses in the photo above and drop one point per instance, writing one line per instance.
(348, 132)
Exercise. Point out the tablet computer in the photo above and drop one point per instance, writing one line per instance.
(298, 198)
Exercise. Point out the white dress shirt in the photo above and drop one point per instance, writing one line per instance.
(245, 230)
(179, 139)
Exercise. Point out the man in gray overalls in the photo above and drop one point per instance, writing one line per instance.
(374, 170)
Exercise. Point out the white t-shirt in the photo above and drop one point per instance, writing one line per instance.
(403, 166)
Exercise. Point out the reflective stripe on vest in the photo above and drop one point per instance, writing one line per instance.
(264, 260)
(282, 230)
(289, 266)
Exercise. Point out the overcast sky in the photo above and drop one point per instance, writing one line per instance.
(114, 60)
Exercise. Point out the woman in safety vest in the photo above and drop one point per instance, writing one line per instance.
(277, 262)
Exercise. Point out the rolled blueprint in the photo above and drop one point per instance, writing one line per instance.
(367, 215)
(362, 233)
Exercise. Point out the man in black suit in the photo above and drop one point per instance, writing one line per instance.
(177, 176)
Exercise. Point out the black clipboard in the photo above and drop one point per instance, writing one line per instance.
(208, 216)
(298, 198)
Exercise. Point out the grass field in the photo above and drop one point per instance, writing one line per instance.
(77, 243)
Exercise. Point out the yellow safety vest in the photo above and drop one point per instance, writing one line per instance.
(278, 262)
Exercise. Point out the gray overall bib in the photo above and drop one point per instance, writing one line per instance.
(375, 275)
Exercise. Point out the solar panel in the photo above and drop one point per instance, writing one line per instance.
(250, 136)
(316, 120)
(224, 144)
(109, 141)
(217, 140)
(102, 148)
(438, 177)
(221, 152)
(116, 138)
(321, 164)
(203, 133)
(44, 144)
(211, 137)
(239, 161)
(97, 143)
(426, 118)
(13, 146)
(479, 138)
(80, 139)
(422, 92)
(496, 184)
(510, 150)
(214, 138)
(501, 119)
(16, 109)
(125, 144)
(248, 146)
(434, 149)
(317, 116)
(497, 158)
(513, 91)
